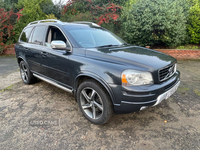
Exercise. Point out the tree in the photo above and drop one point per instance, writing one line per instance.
(8, 5)
(48, 7)
(106, 15)
(31, 11)
(155, 21)
(101, 2)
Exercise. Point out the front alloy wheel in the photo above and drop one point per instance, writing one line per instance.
(91, 103)
(94, 102)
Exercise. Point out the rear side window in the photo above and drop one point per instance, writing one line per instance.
(25, 35)
(38, 35)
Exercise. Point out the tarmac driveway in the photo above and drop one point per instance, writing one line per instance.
(41, 116)
(8, 65)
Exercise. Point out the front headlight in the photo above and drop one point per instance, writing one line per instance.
(134, 78)
(175, 67)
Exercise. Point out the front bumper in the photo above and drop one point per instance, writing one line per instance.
(131, 99)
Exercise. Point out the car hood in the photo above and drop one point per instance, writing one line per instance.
(132, 55)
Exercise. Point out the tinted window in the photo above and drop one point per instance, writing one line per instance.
(25, 35)
(38, 35)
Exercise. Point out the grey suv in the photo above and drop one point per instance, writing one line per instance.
(104, 73)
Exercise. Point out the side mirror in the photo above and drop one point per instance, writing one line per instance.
(59, 45)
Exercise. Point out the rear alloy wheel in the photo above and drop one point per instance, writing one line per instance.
(94, 102)
(26, 75)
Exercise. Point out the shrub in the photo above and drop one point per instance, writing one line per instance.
(101, 2)
(155, 21)
(8, 5)
(194, 22)
(7, 20)
(51, 16)
(87, 16)
(106, 15)
(129, 3)
(73, 8)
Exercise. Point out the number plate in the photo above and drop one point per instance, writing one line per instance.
(167, 94)
(171, 91)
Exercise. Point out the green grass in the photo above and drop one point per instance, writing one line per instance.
(197, 92)
(8, 88)
(183, 89)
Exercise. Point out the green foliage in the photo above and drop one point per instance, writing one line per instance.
(7, 20)
(105, 15)
(51, 16)
(129, 3)
(8, 5)
(87, 16)
(49, 8)
(155, 21)
(118, 2)
(73, 8)
(31, 11)
(1, 4)
(180, 47)
(194, 22)
(188, 47)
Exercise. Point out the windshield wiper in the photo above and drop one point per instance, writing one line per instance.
(110, 45)
(125, 44)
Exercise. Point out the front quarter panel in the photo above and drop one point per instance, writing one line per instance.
(96, 69)
(108, 72)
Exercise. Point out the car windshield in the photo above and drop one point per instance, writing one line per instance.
(90, 37)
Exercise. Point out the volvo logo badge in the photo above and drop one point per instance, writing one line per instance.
(170, 70)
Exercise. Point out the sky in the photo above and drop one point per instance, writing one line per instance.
(57, 1)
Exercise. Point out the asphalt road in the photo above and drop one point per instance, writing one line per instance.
(174, 124)
(8, 65)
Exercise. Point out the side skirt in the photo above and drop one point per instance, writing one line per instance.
(53, 83)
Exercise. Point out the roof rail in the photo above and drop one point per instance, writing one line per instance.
(86, 22)
(46, 20)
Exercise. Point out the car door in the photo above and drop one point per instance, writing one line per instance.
(56, 62)
(33, 52)
(23, 44)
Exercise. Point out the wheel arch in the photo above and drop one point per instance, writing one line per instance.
(83, 77)
(19, 59)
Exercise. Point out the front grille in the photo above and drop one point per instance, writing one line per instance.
(166, 72)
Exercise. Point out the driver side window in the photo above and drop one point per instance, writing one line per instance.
(54, 34)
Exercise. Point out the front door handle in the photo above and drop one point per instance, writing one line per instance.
(26, 49)
(44, 54)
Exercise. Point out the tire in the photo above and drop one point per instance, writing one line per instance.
(26, 74)
(94, 102)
